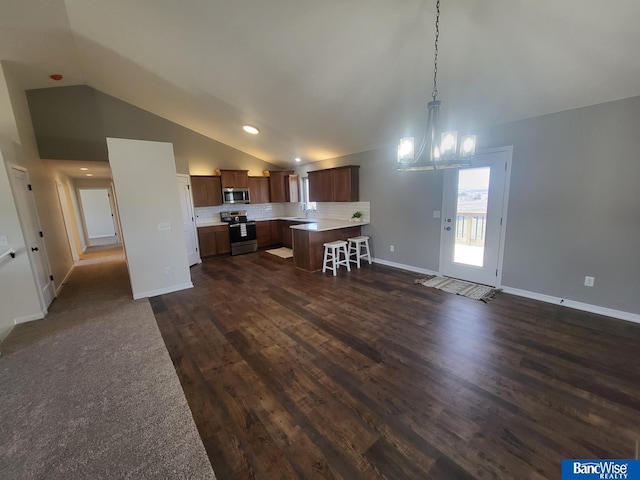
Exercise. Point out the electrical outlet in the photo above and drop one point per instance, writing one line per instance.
(589, 281)
(168, 270)
(436, 214)
(4, 241)
(392, 248)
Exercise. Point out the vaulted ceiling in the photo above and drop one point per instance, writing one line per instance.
(327, 78)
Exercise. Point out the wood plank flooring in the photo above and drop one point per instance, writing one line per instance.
(365, 375)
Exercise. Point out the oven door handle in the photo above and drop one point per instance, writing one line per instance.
(232, 225)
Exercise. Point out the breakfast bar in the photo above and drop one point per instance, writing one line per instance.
(309, 240)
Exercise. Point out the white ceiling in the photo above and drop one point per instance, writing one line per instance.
(328, 78)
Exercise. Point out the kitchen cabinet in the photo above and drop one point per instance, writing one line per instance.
(320, 186)
(214, 240)
(234, 178)
(346, 184)
(276, 187)
(276, 234)
(263, 232)
(291, 188)
(259, 189)
(206, 191)
(340, 184)
(283, 187)
(286, 233)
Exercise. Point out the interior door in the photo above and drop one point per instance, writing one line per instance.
(35, 246)
(188, 220)
(474, 216)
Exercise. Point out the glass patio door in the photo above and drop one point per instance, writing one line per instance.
(472, 218)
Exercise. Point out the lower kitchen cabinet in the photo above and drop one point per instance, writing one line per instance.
(276, 234)
(286, 233)
(263, 232)
(214, 240)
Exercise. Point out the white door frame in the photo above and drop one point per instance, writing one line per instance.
(116, 213)
(505, 203)
(46, 291)
(192, 214)
(68, 218)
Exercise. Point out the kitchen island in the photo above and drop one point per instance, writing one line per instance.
(309, 240)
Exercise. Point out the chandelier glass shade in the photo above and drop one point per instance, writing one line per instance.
(437, 149)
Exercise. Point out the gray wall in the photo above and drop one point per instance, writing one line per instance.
(574, 205)
(72, 123)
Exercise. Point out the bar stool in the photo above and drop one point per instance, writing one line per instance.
(359, 246)
(332, 253)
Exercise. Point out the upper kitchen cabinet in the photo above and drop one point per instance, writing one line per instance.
(259, 189)
(346, 184)
(206, 191)
(340, 184)
(320, 186)
(283, 187)
(291, 188)
(234, 178)
(276, 187)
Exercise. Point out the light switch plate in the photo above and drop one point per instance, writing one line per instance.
(4, 241)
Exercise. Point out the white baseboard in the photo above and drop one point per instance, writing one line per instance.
(586, 307)
(401, 266)
(30, 318)
(162, 291)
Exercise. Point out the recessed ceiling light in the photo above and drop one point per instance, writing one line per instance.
(89, 174)
(297, 159)
(84, 168)
(251, 129)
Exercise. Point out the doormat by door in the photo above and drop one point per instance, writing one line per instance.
(282, 252)
(460, 287)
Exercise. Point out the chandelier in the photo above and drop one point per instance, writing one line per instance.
(437, 149)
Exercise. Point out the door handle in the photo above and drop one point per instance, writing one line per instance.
(34, 249)
(448, 228)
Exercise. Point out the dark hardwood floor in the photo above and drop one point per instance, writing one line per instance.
(366, 375)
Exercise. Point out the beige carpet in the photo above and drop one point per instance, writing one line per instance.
(90, 391)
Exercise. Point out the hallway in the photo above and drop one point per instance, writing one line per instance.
(90, 391)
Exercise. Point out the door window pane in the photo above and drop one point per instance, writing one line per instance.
(471, 215)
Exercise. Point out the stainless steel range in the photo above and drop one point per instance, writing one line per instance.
(242, 233)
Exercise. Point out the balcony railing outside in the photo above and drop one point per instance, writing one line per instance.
(471, 228)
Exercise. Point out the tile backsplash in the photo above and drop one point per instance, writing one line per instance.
(263, 211)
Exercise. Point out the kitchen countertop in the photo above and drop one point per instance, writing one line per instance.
(311, 224)
(322, 225)
(215, 223)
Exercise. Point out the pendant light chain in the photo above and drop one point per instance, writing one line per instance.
(434, 92)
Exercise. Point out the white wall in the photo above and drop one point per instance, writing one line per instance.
(144, 176)
(97, 212)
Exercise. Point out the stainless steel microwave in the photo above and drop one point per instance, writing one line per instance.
(235, 195)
